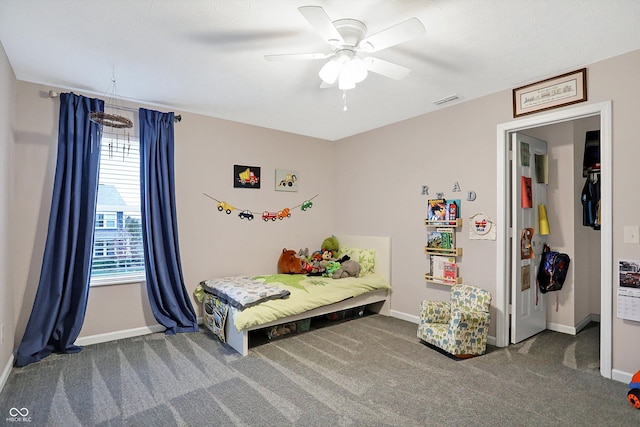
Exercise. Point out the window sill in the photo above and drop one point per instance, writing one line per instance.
(111, 281)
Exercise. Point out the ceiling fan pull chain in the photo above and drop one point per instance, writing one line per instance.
(344, 100)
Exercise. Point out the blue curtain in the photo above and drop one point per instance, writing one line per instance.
(61, 300)
(170, 302)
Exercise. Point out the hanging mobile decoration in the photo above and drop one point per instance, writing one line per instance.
(265, 215)
(113, 120)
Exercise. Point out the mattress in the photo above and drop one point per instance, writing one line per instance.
(305, 293)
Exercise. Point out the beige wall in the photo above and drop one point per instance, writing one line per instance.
(458, 144)
(211, 243)
(616, 79)
(367, 184)
(7, 97)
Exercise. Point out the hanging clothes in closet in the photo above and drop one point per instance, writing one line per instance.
(591, 201)
(591, 191)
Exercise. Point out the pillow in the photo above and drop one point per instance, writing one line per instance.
(366, 258)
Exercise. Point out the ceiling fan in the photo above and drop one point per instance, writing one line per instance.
(348, 38)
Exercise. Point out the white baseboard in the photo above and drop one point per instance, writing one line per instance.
(621, 376)
(573, 330)
(404, 316)
(127, 333)
(563, 329)
(117, 335)
(5, 372)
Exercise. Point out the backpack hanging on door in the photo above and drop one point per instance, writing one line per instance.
(553, 270)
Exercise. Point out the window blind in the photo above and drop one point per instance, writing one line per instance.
(118, 254)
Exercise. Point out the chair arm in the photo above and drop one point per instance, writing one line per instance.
(472, 318)
(468, 332)
(435, 312)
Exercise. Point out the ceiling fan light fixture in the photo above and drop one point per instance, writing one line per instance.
(345, 82)
(348, 37)
(356, 70)
(330, 71)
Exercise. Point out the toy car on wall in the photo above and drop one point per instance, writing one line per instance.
(266, 215)
(224, 206)
(306, 205)
(246, 214)
(284, 213)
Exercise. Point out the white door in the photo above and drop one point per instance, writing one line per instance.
(528, 310)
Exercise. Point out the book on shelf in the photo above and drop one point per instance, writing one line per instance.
(450, 272)
(441, 238)
(436, 210)
(438, 263)
(453, 210)
(442, 210)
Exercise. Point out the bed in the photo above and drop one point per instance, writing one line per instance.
(371, 290)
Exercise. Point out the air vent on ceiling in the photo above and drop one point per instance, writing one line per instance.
(445, 99)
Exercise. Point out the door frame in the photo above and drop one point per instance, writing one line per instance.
(604, 110)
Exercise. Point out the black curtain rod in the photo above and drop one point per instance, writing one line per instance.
(176, 118)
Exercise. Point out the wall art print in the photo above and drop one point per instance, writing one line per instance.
(246, 176)
(286, 180)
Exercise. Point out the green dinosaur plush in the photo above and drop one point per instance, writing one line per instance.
(330, 244)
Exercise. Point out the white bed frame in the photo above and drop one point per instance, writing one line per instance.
(377, 301)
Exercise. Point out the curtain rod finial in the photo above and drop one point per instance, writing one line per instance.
(53, 94)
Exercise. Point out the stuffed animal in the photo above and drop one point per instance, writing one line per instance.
(327, 256)
(330, 244)
(349, 268)
(343, 259)
(289, 263)
(314, 268)
(332, 266)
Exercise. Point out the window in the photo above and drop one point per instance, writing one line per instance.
(106, 219)
(118, 254)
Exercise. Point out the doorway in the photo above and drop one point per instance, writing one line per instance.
(503, 283)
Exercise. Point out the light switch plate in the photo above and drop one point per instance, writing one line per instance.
(632, 234)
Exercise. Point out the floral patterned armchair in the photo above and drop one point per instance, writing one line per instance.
(458, 327)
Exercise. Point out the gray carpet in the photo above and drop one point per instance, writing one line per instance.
(370, 371)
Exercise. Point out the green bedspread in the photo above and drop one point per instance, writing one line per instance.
(307, 293)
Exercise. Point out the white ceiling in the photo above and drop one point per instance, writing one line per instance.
(206, 56)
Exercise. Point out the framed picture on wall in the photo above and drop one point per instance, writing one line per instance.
(629, 271)
(566, 89)
(246, 176)
(286, 180)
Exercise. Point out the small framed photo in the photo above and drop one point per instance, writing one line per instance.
(565, 89)
(286, 180)
(629, 271)
(246, 176)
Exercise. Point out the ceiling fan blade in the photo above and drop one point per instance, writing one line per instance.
(399, 33)
(386, 68)
(319, 20)
(296, 56)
